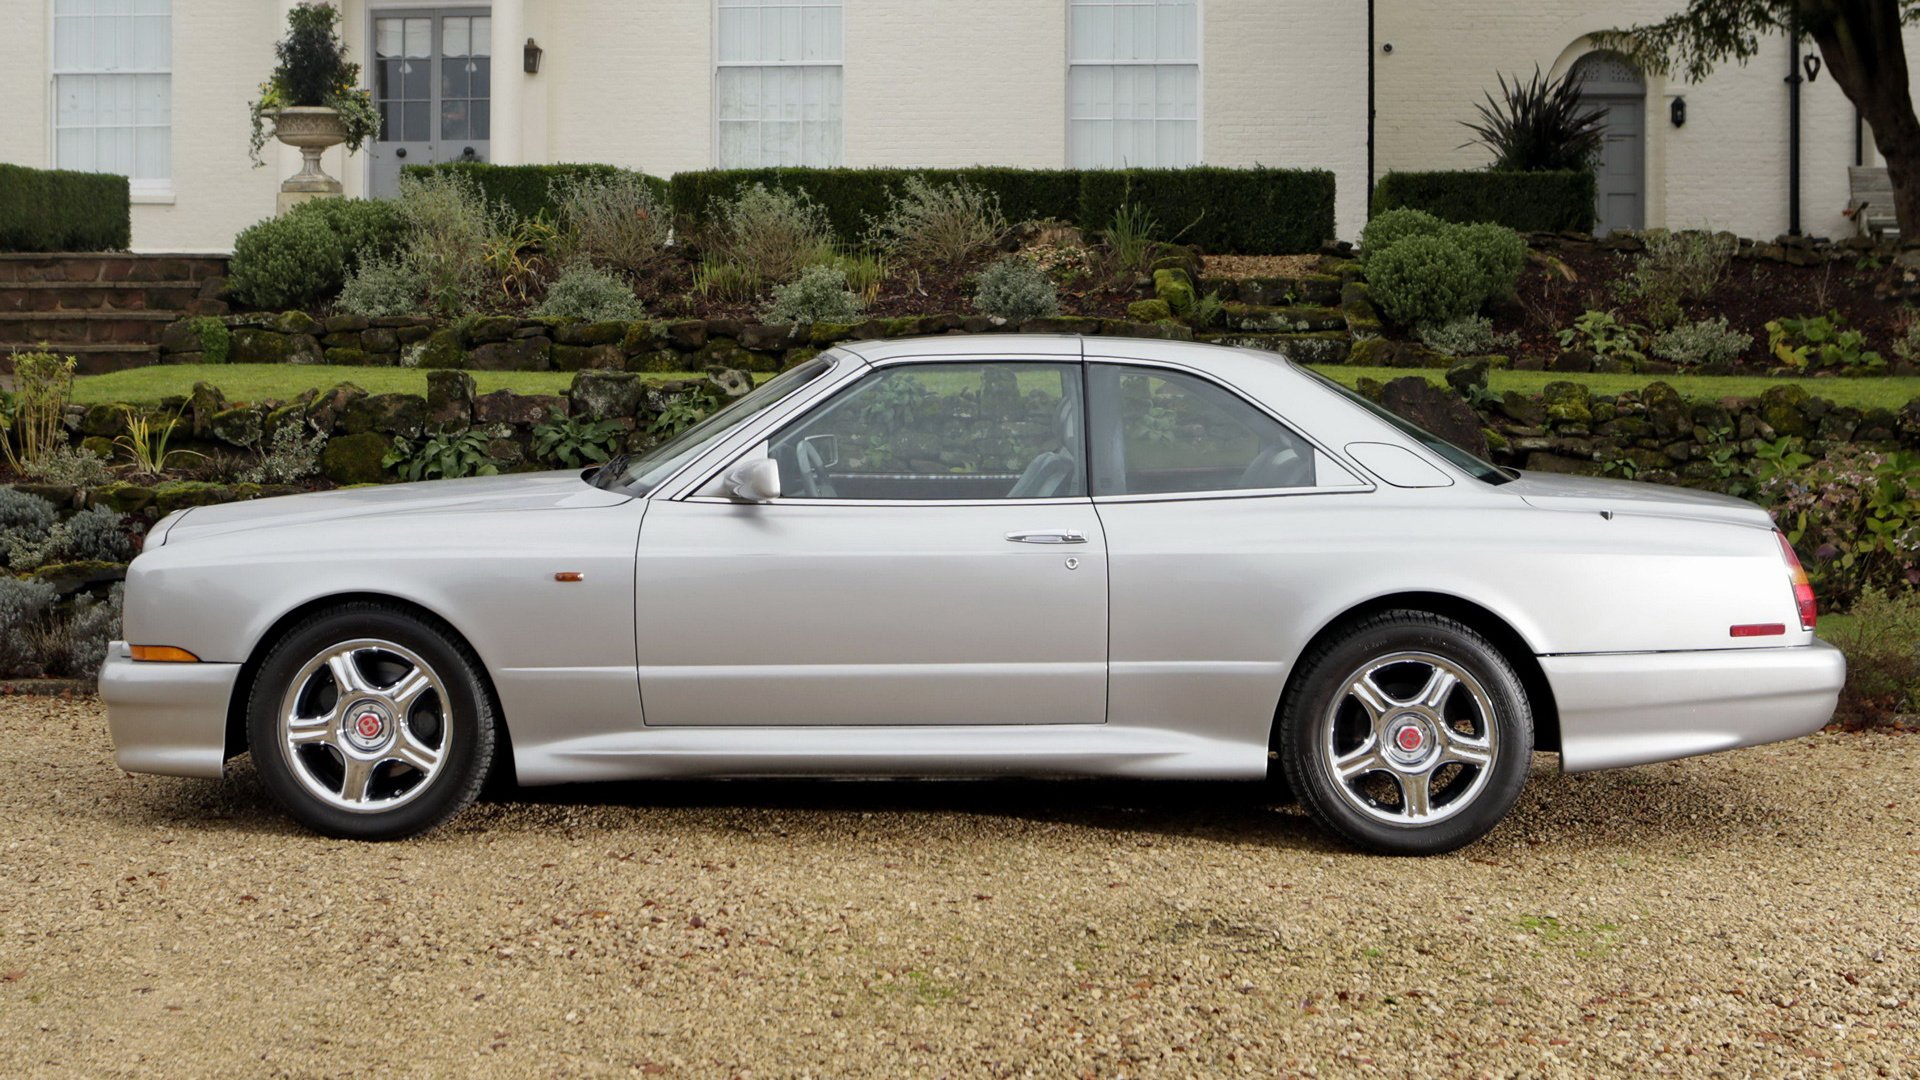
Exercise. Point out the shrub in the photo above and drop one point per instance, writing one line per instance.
(1426, 280)
(69, 466)
(1855, 518)
(1393, 226)
(1223, 210)
(35, 422)
(1542, 125)
(927, 222)
(527, 192)
(726, 280)
(572, 443)
(770, 234)
(292, 454)
(440, 457)
(1499, 252)
(819, 294)
(1882, 643)
(1603, 334)
(23, 603)
(76, 645)
(382, 287)
(1471, 336)
(25, 521)
(62, 210)
(1708, 341)
(1527, 201)
(1015, 290)
(1676, 267)
(216, 341)
(591, 295)
(450, 230)
(616, 221)
(96, 534)
(1129, 237)
(1822, 342)
(303, 258)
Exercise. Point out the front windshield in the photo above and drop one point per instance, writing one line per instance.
(639, 474)
(1458, 458)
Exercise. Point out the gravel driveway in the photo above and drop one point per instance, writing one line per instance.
(1747, 914)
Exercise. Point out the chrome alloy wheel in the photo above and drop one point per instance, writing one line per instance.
(365, 725)
(1410, 739)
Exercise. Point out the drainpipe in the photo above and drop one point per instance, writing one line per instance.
(1794, 79)
(1372, 57)
(1859, 139)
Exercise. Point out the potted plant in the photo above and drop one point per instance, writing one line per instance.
(313, 97)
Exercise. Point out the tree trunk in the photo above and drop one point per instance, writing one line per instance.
(1862, 45)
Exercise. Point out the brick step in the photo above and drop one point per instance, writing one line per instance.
(63, 329)
(109, 266)
(97, 359)
(175, 296)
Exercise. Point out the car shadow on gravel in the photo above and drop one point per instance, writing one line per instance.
(1686, 803)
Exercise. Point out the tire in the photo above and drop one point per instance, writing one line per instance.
(1408, 734)
(407, 746)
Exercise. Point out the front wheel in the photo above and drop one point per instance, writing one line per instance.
(370, 723)
(1409, 734)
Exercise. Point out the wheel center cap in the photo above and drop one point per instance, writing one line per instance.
(367, 726)
(1409, 740)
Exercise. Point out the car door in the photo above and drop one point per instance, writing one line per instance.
(933, 559)
(1221, 521)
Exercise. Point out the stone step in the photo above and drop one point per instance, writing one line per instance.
(174, 296)
(60, 330)
(109, 266)
(97, 359)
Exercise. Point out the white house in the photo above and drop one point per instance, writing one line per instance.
(157, 89)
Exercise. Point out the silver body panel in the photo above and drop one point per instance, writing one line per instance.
(715, 638)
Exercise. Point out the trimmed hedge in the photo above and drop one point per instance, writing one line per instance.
(526, 189)
(1222, 210)
(60, 210)
(1527, 201)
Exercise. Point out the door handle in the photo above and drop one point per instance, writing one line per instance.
(1055, 536)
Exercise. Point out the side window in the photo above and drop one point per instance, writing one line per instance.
(942, 432)
(1163, 432)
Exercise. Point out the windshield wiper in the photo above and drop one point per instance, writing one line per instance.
(613, 467)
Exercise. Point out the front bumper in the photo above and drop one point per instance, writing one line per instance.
(1633, 708)
(167, 718)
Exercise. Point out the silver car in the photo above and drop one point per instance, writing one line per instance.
(976, 556)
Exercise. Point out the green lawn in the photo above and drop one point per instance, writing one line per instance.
(257, 382)
(1890, 393)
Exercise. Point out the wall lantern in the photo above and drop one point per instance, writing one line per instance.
(1678, 111)
(532, 60)
(1812, 63)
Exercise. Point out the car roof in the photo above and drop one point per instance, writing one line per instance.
(1218, 359)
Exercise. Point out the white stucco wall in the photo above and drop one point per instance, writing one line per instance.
(1727, 168)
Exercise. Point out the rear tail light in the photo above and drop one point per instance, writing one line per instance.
(1802, 588)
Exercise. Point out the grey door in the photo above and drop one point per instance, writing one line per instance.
(1610, 83)
(432, 81)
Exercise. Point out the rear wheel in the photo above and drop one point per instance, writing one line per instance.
(370, 723)
(1409, 734)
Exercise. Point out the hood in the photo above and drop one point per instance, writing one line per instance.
(525, 491)
(1590, 494)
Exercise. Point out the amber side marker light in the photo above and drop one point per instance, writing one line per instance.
(163, 654)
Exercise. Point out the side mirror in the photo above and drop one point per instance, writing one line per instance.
(756, 480)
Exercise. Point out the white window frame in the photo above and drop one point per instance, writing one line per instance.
(713, 88)
(149, 189)
(1198, 63)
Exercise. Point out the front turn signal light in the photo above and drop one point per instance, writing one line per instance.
(163, 654)
(1802, 588)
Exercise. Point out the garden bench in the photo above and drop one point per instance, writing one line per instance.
(1871, 204)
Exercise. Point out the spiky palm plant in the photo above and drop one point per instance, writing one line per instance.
(1540, 125)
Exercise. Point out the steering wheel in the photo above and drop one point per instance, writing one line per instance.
(814, 482)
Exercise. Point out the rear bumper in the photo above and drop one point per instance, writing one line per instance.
(1632, 708)
(167, 718)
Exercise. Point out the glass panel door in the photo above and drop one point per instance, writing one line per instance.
(432, 79)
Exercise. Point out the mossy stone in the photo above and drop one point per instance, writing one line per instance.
(1149, 310)
(252, 345)
(99, 446)
(1174, 287)
(346, 357)
(1371, 352)
(823, 334)
(440, 349)
(107, 420)
(295, 322)
(1784, 408)
(1566, 403)
(355, 459)
(486, 329)
(389, 414)
(180, 494)
(642, 335)
(239, 426)
(657, 361)
(122, 496)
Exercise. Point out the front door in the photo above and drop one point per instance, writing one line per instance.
(432, 81)
(1611, 84)
(933, 560)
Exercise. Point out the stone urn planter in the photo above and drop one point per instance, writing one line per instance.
(310, 128)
